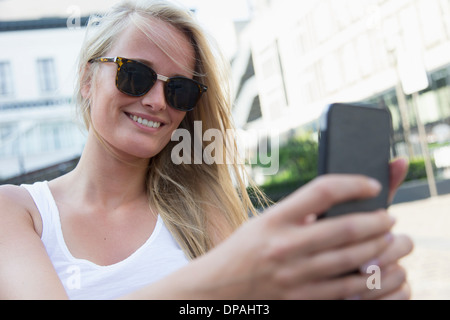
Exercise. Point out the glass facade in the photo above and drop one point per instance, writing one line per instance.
(434, 112)
(6, 83)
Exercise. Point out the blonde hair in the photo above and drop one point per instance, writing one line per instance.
(182, 194)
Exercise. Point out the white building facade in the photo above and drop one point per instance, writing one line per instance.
(38, 125)
(307, 54)
(294, 58)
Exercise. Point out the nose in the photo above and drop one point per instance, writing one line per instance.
(155, 98)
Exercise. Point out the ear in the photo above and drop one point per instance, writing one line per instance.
(85, 81)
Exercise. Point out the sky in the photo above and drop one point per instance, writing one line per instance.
(216, 16)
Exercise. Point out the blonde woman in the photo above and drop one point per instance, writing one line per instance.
(130, 222)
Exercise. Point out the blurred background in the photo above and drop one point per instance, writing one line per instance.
(289, 59)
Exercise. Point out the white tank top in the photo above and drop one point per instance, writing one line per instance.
(83, 279)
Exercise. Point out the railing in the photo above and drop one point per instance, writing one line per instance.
(34, 103)
(48, 173)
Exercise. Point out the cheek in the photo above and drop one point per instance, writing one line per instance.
(100, 109)
(176, 116)
(176, 119)
(103, 98)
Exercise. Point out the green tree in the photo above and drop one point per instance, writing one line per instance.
(298, 159)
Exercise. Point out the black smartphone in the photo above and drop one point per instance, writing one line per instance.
(356, 139)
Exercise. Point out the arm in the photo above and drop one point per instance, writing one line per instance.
(26, 271)
(278, 256)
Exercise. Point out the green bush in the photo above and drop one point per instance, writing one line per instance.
(298, 160)
(417, 170)
(297, 166)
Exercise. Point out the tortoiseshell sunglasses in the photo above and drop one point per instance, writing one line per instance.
(135, 79)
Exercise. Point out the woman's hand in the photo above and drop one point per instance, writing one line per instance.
(392, 280)
(279, 256)
(394, 283)
(285, 254)
(398, 171)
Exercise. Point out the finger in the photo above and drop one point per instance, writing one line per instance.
(342, 231)
(398, 172)
(404, 293)
(391, 279)
(299, 243)
(344, 260)
(348, 287)
(322, 193)
(356, 287)
(401, 246)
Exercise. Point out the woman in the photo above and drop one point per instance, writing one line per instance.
(129, 222)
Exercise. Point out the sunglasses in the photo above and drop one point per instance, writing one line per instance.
(136, 79)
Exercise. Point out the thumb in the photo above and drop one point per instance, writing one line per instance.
(321, 194)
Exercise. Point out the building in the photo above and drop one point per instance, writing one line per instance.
(294, 57)
(38, 126)
(307, 54)
(41, 137)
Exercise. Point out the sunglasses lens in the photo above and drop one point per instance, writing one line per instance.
(135, 79)
(182, 93)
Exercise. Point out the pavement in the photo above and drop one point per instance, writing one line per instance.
(427, 222)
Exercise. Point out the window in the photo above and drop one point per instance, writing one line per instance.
(332, 74)
(6, 132)
(432, 22)
(323, 22)
(270, 74)
(47, 75)
(365, 55)
(6, 85)
(350, 69)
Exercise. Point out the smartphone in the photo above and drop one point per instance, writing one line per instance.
(356, 139)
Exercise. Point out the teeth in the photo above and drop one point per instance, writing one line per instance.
(145, 122)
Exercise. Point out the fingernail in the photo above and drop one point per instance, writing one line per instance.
(363, 269)
(389, 237)
(375, 184)
(393, 220)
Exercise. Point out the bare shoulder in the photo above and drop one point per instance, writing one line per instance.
(17, 205)
(12, 192)
(26, 271)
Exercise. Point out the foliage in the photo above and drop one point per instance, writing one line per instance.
(298, 159)
(417, 170)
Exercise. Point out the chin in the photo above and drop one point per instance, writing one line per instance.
(145, 153)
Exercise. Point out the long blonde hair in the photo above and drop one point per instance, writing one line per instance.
(182, 194)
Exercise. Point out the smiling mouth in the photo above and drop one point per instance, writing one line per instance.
(145, 122)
